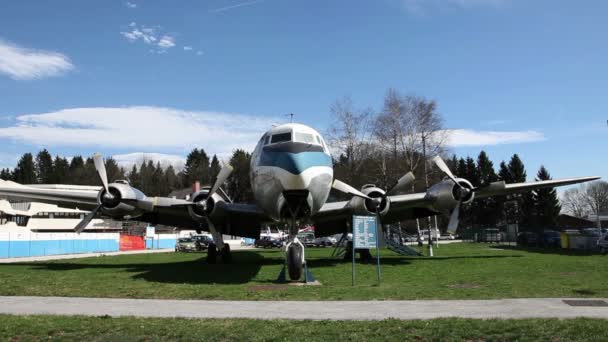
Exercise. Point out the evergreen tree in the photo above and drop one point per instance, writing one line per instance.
(214, 169)
(158, 186)
(547, 203)
(25, 172)
(5, 174)
(90, 176)
(134, 178)
(239, 185)
(525, 202)
(171, 179)
(113, 170)
(76, 171)
(503, 173)
(197, 167)
(487, 211)
(61, 169)
(44, 167)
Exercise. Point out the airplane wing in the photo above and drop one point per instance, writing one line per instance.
(235, 218)
(334, 217)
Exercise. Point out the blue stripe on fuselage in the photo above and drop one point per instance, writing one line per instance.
(294, 163)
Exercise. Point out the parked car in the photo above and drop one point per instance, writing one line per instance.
(602, 244)
(325, 241)
(447, 236)
(550, 238)
(307, 239)
(490, 235)
(268, 242)
(202, 241)
(186, 245)
(527, 239)
(410, 238)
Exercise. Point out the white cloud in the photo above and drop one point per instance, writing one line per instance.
(27, 64)
(149, 36)
(199, 53)
(166, 42)
(128, 160)
(187, 48)
(466, 137)
(130, 4)
(422, 6)
(145, 128)
(241, 4)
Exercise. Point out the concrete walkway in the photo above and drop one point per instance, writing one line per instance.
(81, 255)
(334, 310)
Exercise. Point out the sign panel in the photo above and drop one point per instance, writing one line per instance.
(365, 231)
(150, 231)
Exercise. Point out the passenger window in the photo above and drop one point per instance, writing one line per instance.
(281, 137)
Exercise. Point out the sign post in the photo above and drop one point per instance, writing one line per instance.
(366, 236)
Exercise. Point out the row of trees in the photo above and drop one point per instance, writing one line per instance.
(147, 175)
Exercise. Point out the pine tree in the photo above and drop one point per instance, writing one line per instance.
(214, 169)
(44, 167)
(113, 170)
(90, 176)
(61, 169)
(25, 172)
(5, 174)
(197, 167)
(76, 170)
(547, 203)
(487, 211)
(239, 185)
(171, 179)
(134, 178)
(525, 202)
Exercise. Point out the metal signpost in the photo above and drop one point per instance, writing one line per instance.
(366, 236)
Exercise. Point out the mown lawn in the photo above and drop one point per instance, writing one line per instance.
(76, 328)
(458, 271)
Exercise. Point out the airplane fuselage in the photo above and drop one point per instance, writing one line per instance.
(291, 172)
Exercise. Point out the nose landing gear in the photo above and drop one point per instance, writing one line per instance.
(295, 261)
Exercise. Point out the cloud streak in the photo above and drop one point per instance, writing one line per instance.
(467, 137)
(26, 64)
(143, 128)
(230, 7)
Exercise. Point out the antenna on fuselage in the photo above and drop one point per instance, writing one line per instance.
(291, 117)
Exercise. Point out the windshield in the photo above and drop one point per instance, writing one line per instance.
(185, 240)
(281, 137)
(305, 138)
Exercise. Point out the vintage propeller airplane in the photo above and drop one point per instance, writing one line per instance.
(291, 176)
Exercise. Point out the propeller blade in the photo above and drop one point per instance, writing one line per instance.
(86, 220)
(221, 178)
(402, 184)
(101, 170)
(454, 217)
(444, 167)
(347, 189)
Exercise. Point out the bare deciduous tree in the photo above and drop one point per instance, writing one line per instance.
(574, 203)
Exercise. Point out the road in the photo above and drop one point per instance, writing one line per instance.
(314, 310)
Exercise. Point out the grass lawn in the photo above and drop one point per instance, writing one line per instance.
(459, 271)
(75, 328)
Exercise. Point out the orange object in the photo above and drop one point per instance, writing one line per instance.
(131, 242)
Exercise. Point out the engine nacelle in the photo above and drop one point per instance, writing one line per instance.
(446, 195)
(210, 206)
(123, 202)
(364, 206)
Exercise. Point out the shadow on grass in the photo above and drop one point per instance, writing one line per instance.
(546, 250)
(245, 266)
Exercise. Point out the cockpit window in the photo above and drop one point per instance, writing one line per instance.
(318, 139)
(281, 137)
(267, 140)
(305, 138)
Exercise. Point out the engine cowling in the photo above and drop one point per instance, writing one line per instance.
(364, 206)
(447, 194)
(122, 202)
(208, 205)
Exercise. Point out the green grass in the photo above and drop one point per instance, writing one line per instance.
(459, 271)
(76, 328)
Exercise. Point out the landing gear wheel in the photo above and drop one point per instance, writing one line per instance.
(226, 254)
(294, 262)
(211, 253)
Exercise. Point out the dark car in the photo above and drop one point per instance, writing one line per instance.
(202, 241)
(551, 238)
(268, 242)
(527, 239)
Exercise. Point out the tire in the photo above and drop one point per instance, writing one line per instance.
(294, 262)
(212, 254)
(226, 254)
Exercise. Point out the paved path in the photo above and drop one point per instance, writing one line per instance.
(81, 255)
(334, 310)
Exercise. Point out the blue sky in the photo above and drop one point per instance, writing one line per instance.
(78, 77)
